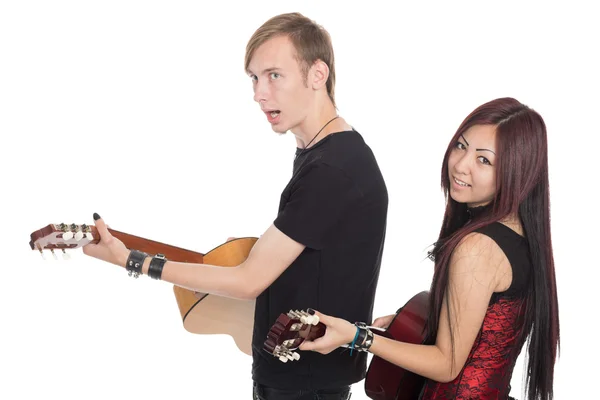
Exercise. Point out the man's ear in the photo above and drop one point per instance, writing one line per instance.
(318, 75)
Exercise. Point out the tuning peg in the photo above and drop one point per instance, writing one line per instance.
(66, 255)
(89, 236)
(54, 254)
(297, 315)
(309, 319)
(283, 359)
(78, 236)
(305, 317)
(289, 355)
(67, 235)
(42, 253)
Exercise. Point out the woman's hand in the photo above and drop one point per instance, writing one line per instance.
(384, 322)
(338, 333)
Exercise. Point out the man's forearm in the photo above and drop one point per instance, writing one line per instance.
(222, 281)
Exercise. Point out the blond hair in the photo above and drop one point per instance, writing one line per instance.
(311, 42)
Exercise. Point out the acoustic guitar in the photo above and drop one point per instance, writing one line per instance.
(200, 313)
(384, 380)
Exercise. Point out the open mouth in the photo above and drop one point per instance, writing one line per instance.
(461, 183)
(272, 115)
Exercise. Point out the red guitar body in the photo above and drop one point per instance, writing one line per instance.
(386, 381)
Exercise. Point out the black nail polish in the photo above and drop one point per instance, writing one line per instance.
(96, 217)
(311, 311)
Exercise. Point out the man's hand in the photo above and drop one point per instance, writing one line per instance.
(109, 248)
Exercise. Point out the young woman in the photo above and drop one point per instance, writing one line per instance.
(494, 284)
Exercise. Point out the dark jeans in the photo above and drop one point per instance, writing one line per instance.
(261, 392)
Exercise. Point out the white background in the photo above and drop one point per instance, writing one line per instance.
(141, 111)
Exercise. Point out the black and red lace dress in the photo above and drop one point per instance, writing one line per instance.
(488, 369)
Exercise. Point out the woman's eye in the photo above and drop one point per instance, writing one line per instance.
(484, 160)
(274, 75)
(460, 146)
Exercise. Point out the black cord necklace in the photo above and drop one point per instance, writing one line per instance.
(320, 130)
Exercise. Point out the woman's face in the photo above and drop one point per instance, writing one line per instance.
(471, 166)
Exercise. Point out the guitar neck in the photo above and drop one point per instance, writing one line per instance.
(153, 247)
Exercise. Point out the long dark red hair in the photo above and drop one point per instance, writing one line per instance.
(521, 189)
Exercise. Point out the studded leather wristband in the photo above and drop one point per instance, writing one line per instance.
(365, 337)
(135, 261)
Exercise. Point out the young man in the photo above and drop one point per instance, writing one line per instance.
(324, 248)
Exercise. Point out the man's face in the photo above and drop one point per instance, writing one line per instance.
(279, 85)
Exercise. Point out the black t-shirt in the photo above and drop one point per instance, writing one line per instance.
(336, 204)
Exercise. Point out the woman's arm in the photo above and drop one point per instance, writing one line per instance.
(477, 267)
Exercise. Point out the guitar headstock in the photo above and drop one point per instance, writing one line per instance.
(288, 333)
(62, 237)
